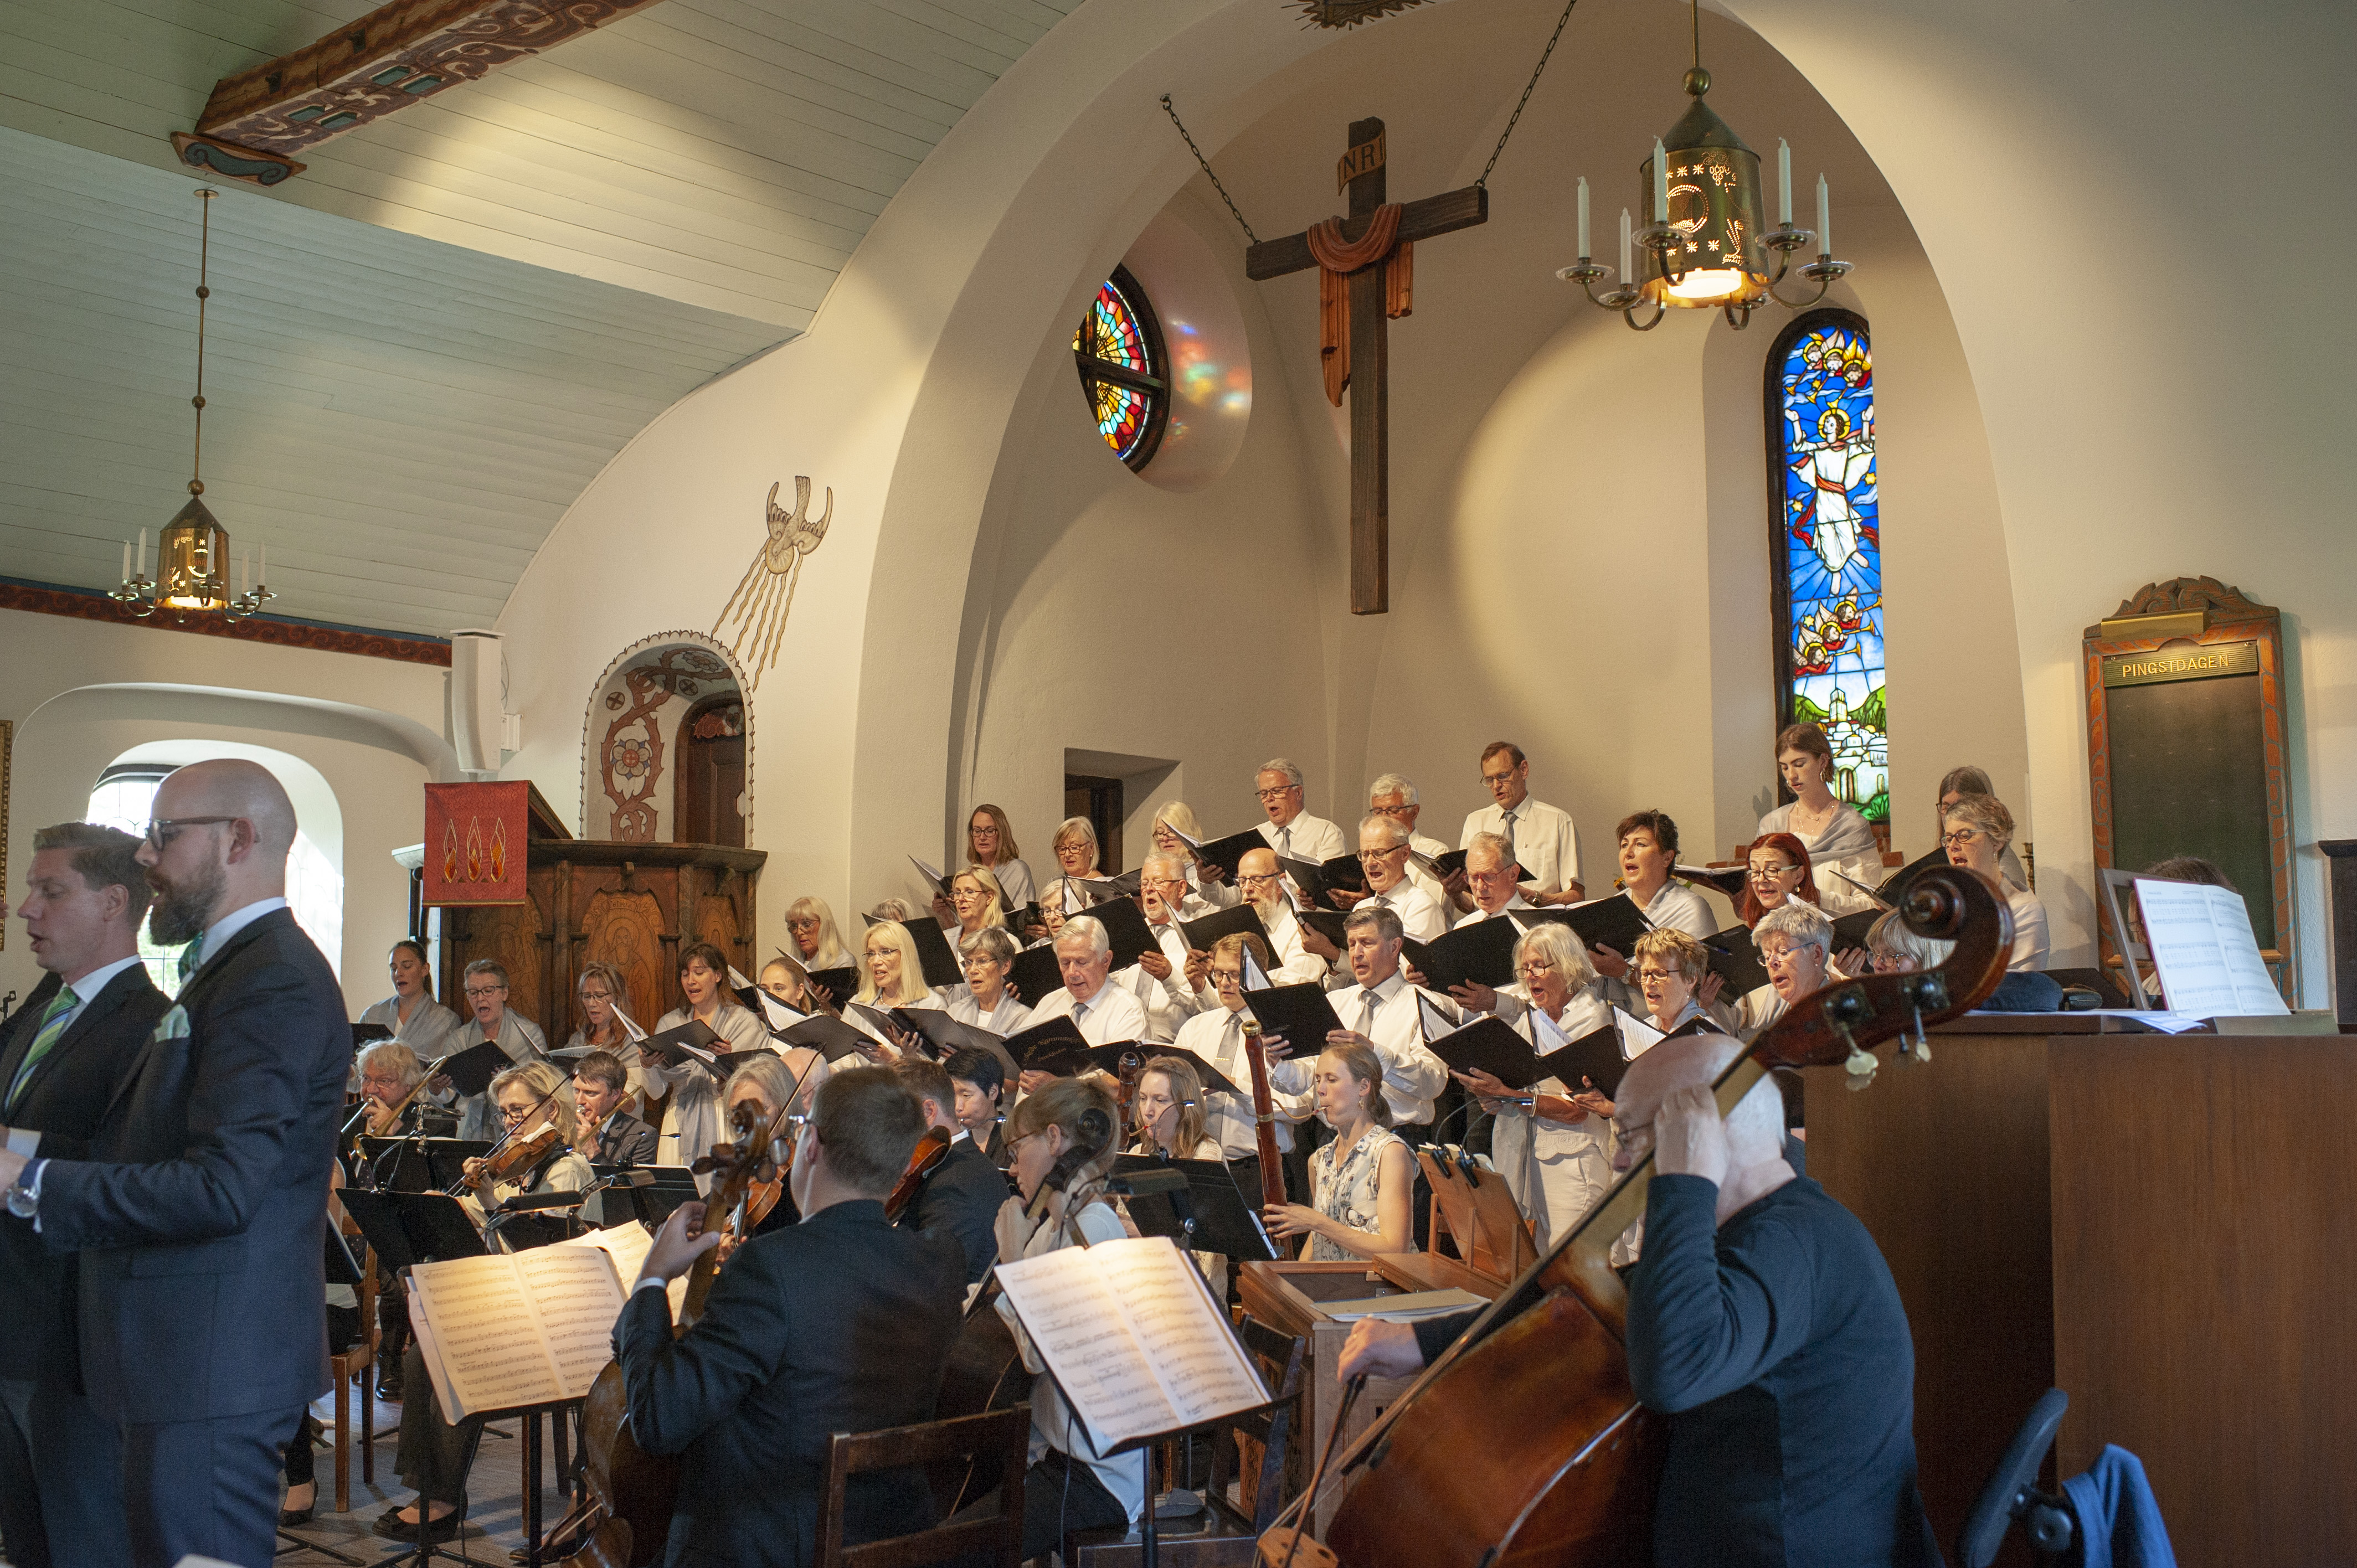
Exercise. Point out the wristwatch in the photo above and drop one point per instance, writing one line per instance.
(25, 1198)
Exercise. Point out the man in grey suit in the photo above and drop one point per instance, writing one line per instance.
(201, 1213)
(60, 1062)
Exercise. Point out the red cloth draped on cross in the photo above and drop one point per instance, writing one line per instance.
(1336, 261)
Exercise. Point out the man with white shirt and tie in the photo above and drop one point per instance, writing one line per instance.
(1168, 984)
(1393, 796)
(1544, 843)
(1217, 1036)
(1104, 1013)
(1489, 872)
(1380, 1010)
(1383, 856)
(1291, 830)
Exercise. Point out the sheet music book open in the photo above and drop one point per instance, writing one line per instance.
(1133, 1338)
(2204, 951)
(512, 1330)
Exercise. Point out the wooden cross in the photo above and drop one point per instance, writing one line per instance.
(1361, 170)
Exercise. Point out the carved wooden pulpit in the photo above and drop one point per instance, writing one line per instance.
(634, 905)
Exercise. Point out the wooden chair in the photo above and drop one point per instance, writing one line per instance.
(1005, 1434)
(359, 1362)
(1259, 1444)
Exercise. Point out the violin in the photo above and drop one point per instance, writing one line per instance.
(520, 1154)
(932, 1148)
(1539, 1383)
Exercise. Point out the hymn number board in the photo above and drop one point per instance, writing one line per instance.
(2185, 738)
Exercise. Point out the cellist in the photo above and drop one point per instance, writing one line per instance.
(747, 1397)
(1763, 1322)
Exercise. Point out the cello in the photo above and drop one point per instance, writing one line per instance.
(1538, 1385)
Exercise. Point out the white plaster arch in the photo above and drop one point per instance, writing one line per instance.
(590, 729)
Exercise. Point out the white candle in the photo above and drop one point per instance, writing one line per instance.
(1628, 276)
(1661, 183)
(143, 552)
(1583, 217)
(1783, 183)
(126, 560)
(1825, 218)
(264, 578)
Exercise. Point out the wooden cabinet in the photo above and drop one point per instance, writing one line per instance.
(633, 905)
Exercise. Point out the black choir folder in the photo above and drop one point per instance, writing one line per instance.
(1496, 1047)
(1133, 1338)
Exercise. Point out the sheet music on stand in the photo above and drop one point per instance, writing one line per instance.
(1224, 1220)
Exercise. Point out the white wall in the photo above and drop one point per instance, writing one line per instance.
(82, 692)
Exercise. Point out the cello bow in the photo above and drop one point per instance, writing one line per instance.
(1538, 1384)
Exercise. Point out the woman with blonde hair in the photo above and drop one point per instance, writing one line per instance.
(1976, 832)
(817, 943)
(1362, 1181)
(1205, 879)
(1167, 1112)
(1062, 1142)
(527, 1099)
(1552, 1142)
(974, 898)
(894, 976)
(1076, 848)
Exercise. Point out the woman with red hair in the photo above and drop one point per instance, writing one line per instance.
(1778, 871)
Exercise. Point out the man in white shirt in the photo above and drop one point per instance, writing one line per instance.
(1166, 983)
(1380, 1011)
(1217, 1036)
(1489, 878)
(1104, 1013)
(1393, 796)
(1383, 855)
(1291, 830)
(1258, 879)
(1545, 843)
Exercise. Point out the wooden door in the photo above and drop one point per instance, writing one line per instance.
(711, 773)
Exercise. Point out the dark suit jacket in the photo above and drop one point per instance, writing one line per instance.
(962, 1199)
(67, 1090)
(839, 1323)
(201, 1212)
(624, 1140)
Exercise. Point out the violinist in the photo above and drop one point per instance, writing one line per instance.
(389, 1073)
(765, 1082)
(841, 1323)
(603, 1132)
(435, 1455)
(961, 1196)
(1062, 1138)
(979, 1083)
(1762, 1322)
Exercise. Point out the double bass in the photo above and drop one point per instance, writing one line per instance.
(1538, 1386)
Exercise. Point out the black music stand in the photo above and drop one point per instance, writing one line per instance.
(1195, 1203)
(531, 1416)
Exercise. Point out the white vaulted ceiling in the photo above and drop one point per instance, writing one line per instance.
(420, 348)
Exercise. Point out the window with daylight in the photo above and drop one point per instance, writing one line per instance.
(1828, 549)
(1124, 369)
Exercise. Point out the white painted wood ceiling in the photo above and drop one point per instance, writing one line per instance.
(423, 348)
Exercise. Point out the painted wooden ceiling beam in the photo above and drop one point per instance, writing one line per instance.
(258, 120)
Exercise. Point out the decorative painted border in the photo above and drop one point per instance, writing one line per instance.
(2234, 618)
(590, 732)
(83, 604)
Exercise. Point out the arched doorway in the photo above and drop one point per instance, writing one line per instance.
(647, 776)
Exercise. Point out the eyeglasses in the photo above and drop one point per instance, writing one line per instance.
(1961, 836)
(1533, 970)
(477, 993)
(1218, 975)
(1494, 780)
(1776, 870)
(1646, 974)
(164, 830)
(1260, 881)
(1015, 1144)
(1369, 856)
(1279, 793)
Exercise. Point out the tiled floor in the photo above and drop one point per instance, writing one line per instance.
(494, 1515)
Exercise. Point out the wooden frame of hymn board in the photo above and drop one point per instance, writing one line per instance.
(2217, 658)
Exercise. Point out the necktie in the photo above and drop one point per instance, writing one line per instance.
(1509, 827)
(53, 1024)
(1370, 1000)
(1285, 841)
(189, 956)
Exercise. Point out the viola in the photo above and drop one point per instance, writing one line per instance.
(932, 1148)
(1539, 1384)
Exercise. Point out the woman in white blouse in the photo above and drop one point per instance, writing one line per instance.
(1976, 832)
(692, 1120)
(415, 1019)
(983, 1000)
(1832, 831)
(1649, 852)
(895, 978)
(1551, 1142)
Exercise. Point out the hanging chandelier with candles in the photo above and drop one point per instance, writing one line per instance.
(192, 552)
(1707, 246)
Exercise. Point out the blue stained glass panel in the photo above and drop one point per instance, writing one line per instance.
(1830, 553)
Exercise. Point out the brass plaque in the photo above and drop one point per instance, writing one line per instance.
(2196, 663)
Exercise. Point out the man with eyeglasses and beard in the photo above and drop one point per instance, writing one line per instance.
(199, 1214)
